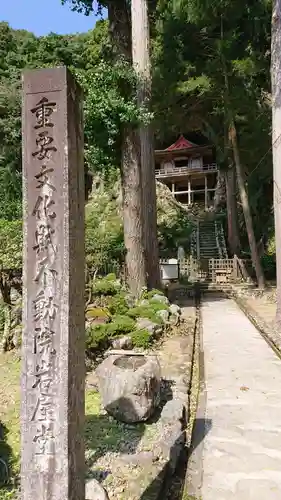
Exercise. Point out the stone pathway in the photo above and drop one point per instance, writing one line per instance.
(237, 451)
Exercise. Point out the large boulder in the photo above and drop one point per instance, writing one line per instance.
(175, 311)
(150, 326)
(161, 298)
(95, 491)
(164, 315)
(130, 386)
(124, 342)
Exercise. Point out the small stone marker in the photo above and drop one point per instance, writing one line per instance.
(53, 373)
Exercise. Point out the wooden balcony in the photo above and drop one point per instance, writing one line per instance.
(183, 171)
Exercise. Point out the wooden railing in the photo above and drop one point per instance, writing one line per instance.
(217, 271)
(159, 172)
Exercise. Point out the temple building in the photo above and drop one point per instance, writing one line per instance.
(189, 171)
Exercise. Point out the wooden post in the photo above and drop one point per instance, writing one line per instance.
(206, 192)
(213, 270)
(173, 189)
(198, 241)
(53, 346)
(189, 193)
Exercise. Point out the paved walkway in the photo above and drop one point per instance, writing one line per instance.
(240, 405)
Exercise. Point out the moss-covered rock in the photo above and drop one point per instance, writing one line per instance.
(141, 338)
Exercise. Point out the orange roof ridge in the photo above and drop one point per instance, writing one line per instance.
(181, 143)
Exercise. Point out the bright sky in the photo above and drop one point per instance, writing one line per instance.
(43, 16)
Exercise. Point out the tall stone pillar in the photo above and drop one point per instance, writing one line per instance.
(53, 374)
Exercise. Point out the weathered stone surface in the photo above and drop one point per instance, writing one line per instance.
(141, 458)
(161, 298)
(171, 444)
(130, 386)
(95, 491)
(124, 342)
(240, 411)
(164, 315)
(147, 324)
(174, 411)
(17, 335)
(175, 309)
(53, 367)
(144, 302)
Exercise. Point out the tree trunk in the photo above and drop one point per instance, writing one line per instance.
(245, 205)
(119, 28)
(120, 33)
(276, 142)
(232, 218)
(7, 328)
(141, 62)
(219, 197)
(132, 213)
(239, 170)
(5, 288)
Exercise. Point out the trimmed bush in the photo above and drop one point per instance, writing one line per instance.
(97, 337)
(120, 325)
(106, 286)
(158, 306)
(141, 338)
(151, 293)
(144, 312)
(118, 305)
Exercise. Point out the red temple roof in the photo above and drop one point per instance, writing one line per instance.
(181, 143)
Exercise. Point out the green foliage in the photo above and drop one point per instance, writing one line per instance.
(97, 337)
(150, 294)
(269, 265)
(148, 312)
(141, 339)
(104, 241)
(157, 305)
(105, 286)
(120, 325)
(20, 50)
(110, 104)
(190, 41)
(2, 317)
(173, 231)
(118, 304)
(97, 312)
(10, 244)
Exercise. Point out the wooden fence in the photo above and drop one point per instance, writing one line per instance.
(214, 270)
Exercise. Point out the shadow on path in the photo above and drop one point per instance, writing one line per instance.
(174, 486)
(5, 457)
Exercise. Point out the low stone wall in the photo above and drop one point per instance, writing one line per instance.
(266, 326)
(141, 468)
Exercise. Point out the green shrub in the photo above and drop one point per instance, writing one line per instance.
(120, 325)
(158, 306)
(118, 305)
(97, 337)
(141, 338)
(144, 312)
(105, 286)
(269, 265)
(111, 277)
(151, 293)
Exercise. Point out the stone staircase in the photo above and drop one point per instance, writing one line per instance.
(207, 240)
